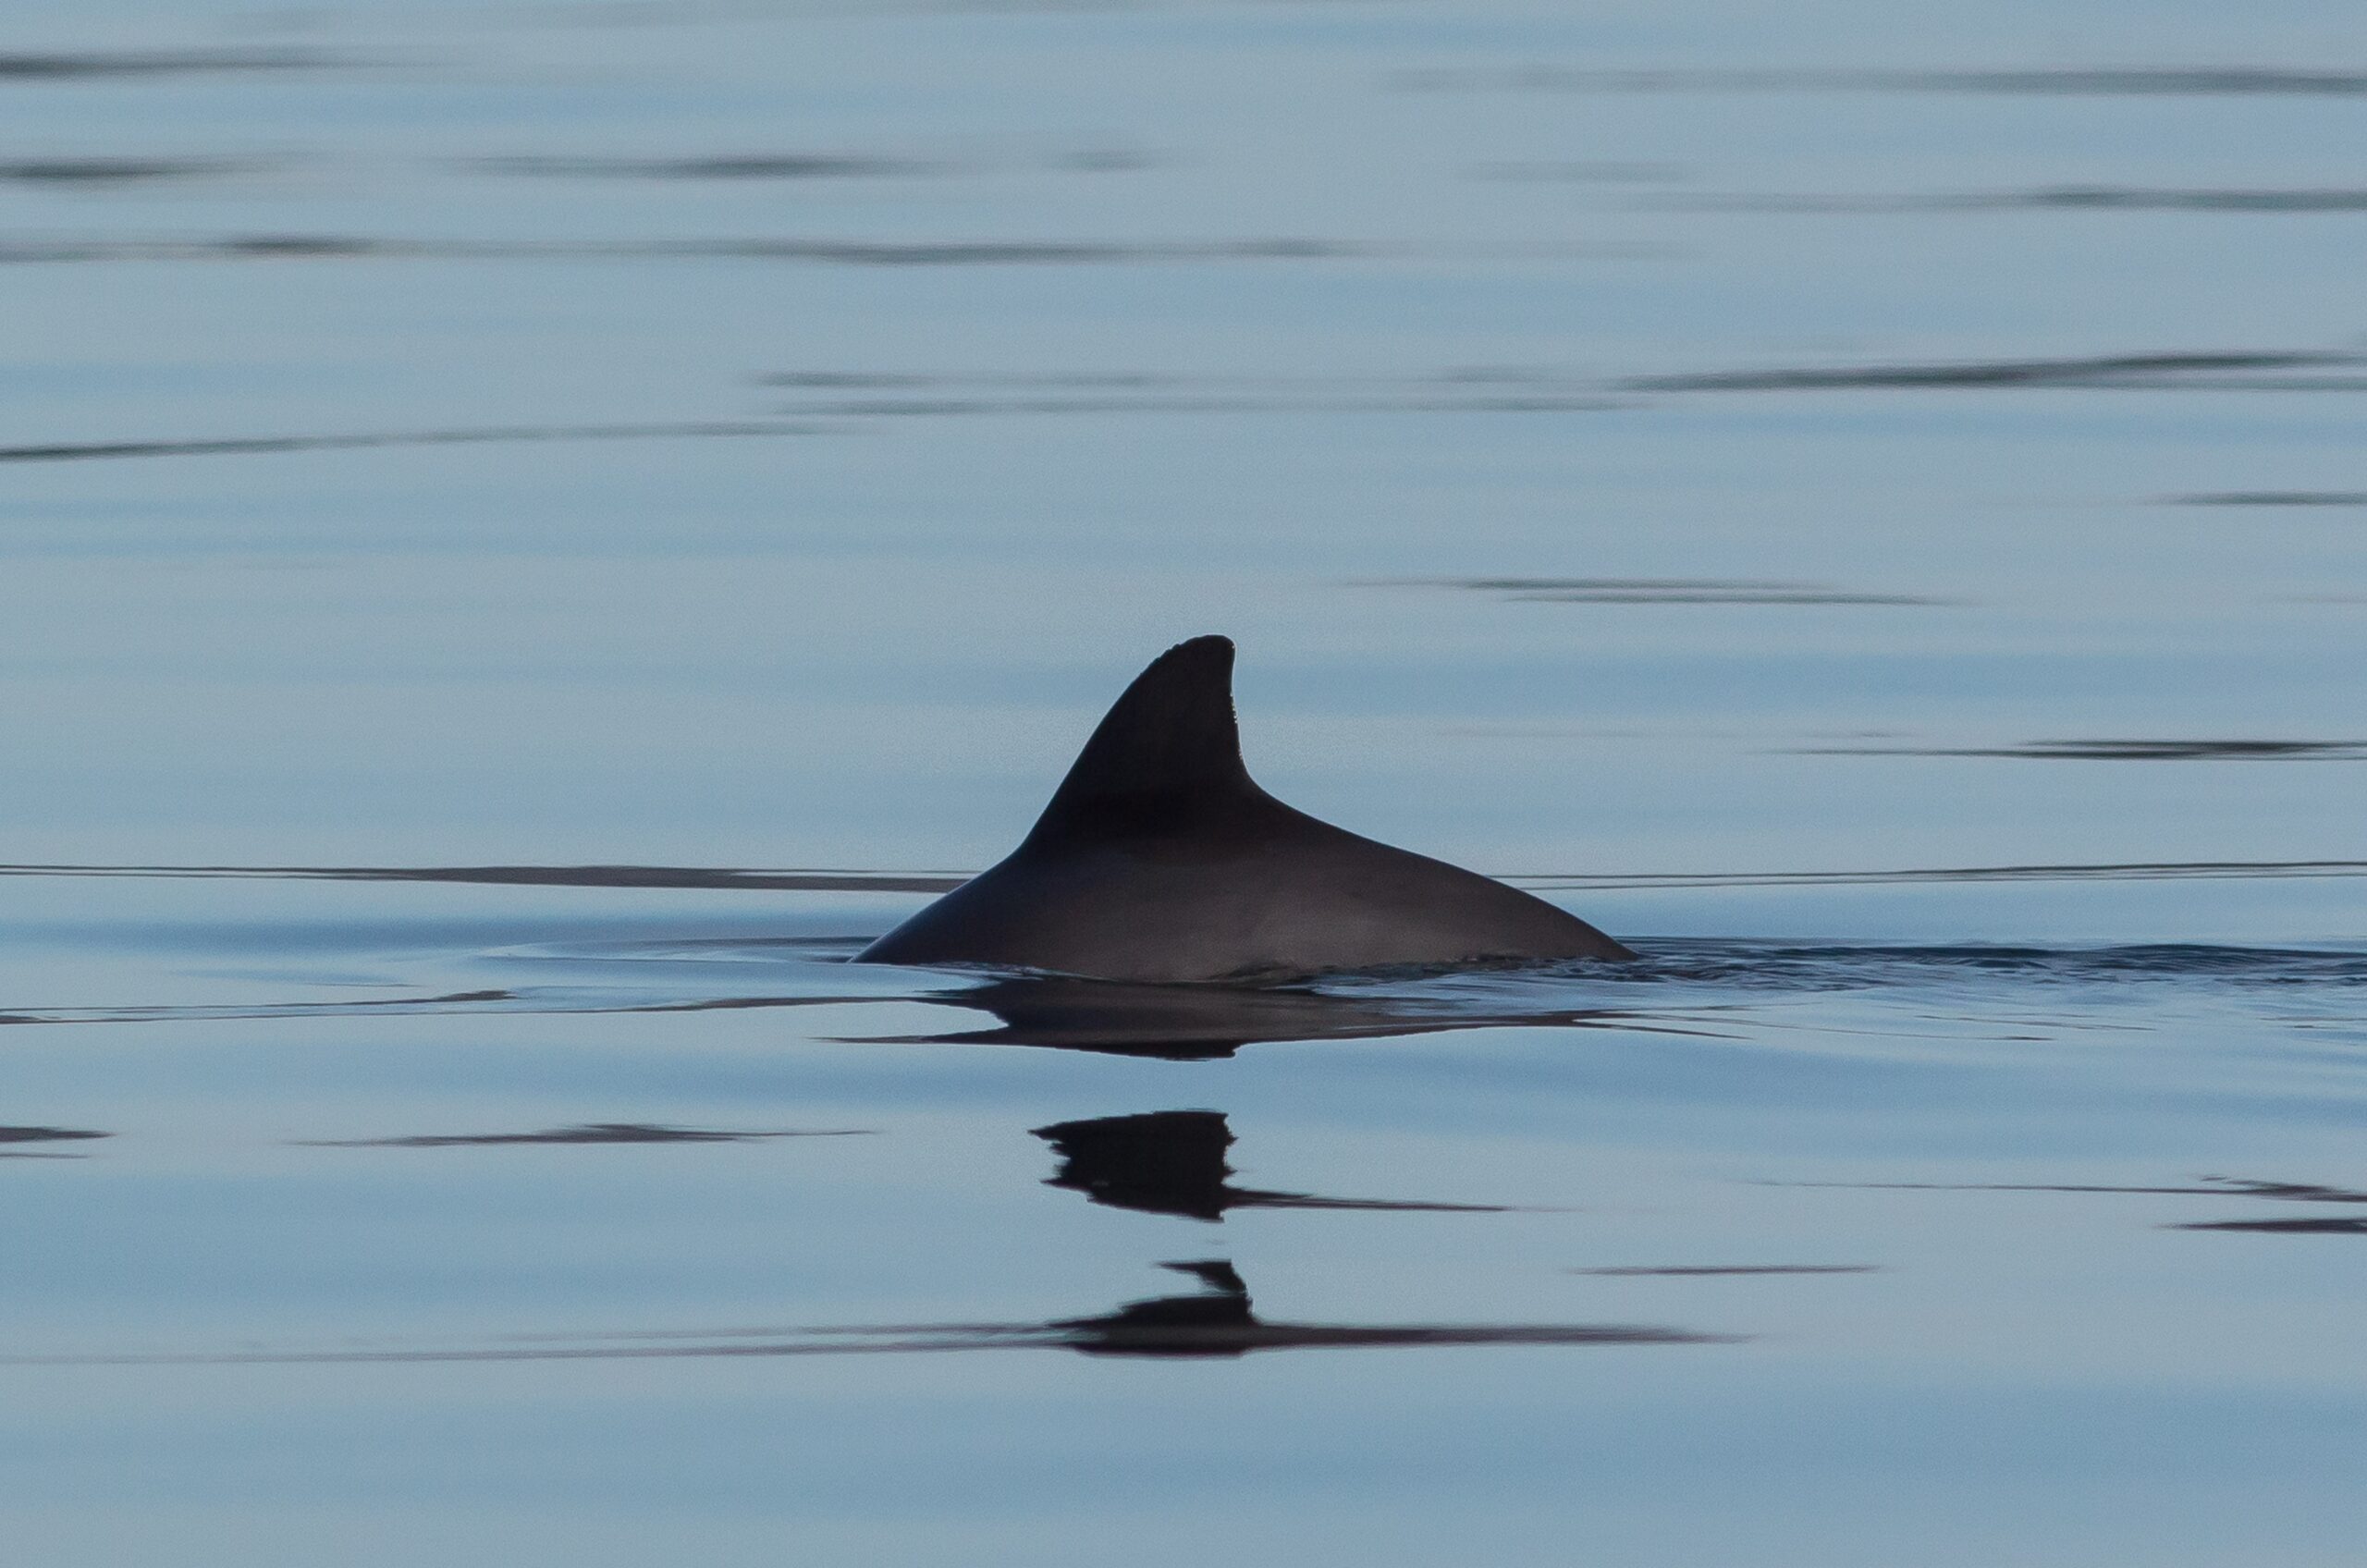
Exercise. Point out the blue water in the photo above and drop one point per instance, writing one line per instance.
(527, 533)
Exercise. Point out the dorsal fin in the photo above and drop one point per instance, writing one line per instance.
(1167, 753)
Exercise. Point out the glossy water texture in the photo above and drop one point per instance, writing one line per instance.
(529, 533)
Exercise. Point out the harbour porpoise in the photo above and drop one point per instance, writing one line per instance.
(1159, 859)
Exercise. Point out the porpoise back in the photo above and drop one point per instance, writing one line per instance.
(1160, 860)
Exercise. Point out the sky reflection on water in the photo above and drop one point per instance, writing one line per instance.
(527, 534)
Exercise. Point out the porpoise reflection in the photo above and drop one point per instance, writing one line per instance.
(1173, 1162)
(1219, 1321)
(1160, 860)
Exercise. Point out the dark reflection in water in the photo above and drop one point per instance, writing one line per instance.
(1206, 1022)
(1217, 1322)
(1657, 590)
(2122, 750)
(237, 446)
(2134, 82)
(2059, 198)
(14, 1136)
(2204, 371)
(591, 1132)
(1173, 1162)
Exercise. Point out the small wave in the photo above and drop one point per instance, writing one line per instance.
(588, 1001)
(2204, 370)
(1695, 989)
(822, 880)
(1216, 1321)
(740, 165)
(1706, 985)
(2270, 498)
(2064, 198)
(2309, 1226)
(2121, 750)
(1712, 1270)
(108, 172)
(243, 446)
(62, 66)
(2130, 81)
(1855, 966)
(838, 252)
(884, 394)
(588, 1133)
(10, 1137)
(2110, 871)
(1658, 591)
(858, 879)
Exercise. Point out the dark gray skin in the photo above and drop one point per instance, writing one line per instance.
(1159, 859)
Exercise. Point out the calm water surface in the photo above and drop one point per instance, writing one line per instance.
(527, 533)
